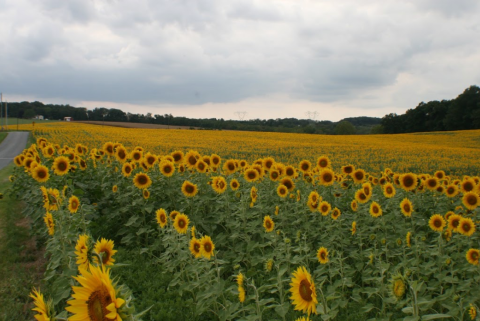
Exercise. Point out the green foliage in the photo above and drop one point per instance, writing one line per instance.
(345, 128)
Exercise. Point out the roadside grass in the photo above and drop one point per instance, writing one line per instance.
(12, 122)
(2, 137)
(21, 258)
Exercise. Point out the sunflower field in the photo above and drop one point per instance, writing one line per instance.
(204, 225)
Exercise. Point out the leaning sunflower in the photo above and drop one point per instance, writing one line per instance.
(181, 223)
(304, 295)
(398, 286)
(207, 247)
(406, 207)
(44, 310)
(189, 189)
(268, 223)
(322, 255)
(73, 204)
(48, 219)
(195, 248)
(96, 297)
(161, 217)
(104, 248)
(82, 251)
(473, 256)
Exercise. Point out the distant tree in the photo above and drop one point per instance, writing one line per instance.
(29, 113)
(377, 130)
(345, 128)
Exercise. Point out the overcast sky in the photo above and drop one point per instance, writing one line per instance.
(213, 58)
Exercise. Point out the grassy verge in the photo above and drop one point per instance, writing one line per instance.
(21, 259)
(12, 122)
(2, 137)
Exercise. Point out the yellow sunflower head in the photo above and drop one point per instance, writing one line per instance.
(43, 309)
(234, 184)
(305, 165)
(97, 298)
(207, 247)
(48, 219)
(408, 181)
(166, 168)
(398, 286)
(327, 177)
(73, 204)
(451, 190)
(181, 223)
(322, 255)
(189, 189)
(336, 213)
(127, 169)
(268, 224)
(161, 217)
(304, 295)
(195, 248)
(142, 181)
(437, 222)
(454, 222)
(354, 205)
(473, 256)
(471, 200)
(104, 248)
(82, 251)
(40, 173)
(388, 190)
(466, 226)
(406, 207)
(282, 190)
(61, 165)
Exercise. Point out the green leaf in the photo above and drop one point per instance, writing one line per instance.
(132, 220)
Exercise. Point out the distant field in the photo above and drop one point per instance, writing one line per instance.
(13, 121)
(132, 125)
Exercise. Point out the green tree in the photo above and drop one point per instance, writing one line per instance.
(29, 114)
(345, 128)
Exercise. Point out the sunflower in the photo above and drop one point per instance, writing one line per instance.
(241, 294)
(473, 256)
(367, 189)
(104, 248)
(61, 165)
(207, 247)
(358, 176)
(354, 228)
(472, 310)
(136, 155)
(114, 188)
(471, 200)
(305, 165)
(437, 222)
(290, 171)
(323, 162)
(96, 299)
(191, 159)
(322, 255)
(451, 190)
(48, 219)
(127, 169)
(181, 223)
(195, 247)
(408, 239)
(327, 177)
(166, 168)
(73, 204)
(121, 154)
(161, 217)
(408, 181)
(304, 295)
(229, 167)
(282, 190)
(177, 156)
(388, 190)
(44, 310)
(375, 210)
(324, 207)
(454, 222)
(354, 205)
(274, 175)
(150, 159)
(40, 174)
(348, 169)
(432, 183)
(406, 207)
(82, 251)
(288, 182)
(146, 194)
(173, 214)
(108, 148)
(234, 184)
(336, 213)
(360, 196)
(189, 189)
(251, 175)
(467, 185)
(268, 224)
(398, 286)
(219, 184)
(268, 162)
(142, 181)
(466, 226)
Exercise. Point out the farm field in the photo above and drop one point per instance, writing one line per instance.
(159, 224)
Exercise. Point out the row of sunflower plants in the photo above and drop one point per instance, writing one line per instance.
(257, 241)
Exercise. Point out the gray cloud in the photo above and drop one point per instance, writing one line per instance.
(212, 51)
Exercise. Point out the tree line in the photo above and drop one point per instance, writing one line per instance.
(354, 125)
(460, 113)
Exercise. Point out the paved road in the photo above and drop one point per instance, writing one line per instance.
(11, 146)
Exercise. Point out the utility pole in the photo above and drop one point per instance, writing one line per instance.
(1, 110)
(6, 115)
